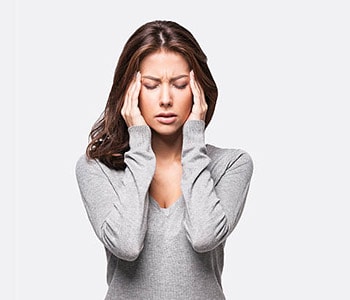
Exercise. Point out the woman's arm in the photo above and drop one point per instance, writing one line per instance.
(116, 201)
(213, 209)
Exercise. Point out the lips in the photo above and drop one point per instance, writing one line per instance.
(166, 117)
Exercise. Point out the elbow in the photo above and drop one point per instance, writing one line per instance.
(201, 245)
(131, 255)
(204, 243)
(128, 253)
(206, 240)
(126, 248)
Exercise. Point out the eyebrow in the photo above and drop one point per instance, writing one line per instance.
(159, 80)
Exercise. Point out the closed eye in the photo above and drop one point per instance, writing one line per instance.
(150, 87)
(180, 87)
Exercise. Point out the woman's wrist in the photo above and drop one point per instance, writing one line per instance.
(139, 135)
(193, 132)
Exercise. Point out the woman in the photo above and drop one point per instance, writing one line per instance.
(161, 201)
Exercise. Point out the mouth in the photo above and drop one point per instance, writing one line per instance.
(166, 117)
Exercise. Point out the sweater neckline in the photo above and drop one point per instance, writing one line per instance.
(166, 210)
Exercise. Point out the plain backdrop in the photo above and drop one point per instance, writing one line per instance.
(283, 73)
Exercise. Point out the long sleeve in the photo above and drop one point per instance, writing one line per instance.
(212, 208)
(115, 201)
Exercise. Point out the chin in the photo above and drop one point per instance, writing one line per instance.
(166, 130)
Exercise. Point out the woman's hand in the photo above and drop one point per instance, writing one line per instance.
(130, 110)
(200, 106)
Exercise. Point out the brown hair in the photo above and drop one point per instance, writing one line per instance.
(109, 137)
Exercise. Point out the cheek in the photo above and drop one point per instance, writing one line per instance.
(146, 104)
(188, 101)
(143, 99)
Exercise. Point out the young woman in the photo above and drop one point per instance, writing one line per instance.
(162, 201)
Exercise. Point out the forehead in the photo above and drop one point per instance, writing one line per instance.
(164, 62)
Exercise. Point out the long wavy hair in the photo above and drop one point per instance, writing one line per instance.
(109, 137)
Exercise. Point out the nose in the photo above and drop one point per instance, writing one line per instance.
(165, 96)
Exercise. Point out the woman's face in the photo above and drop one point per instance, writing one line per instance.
(165, 98)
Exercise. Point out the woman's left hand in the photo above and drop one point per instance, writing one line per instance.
(200, 106)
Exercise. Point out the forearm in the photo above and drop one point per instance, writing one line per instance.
(116, 201)
(212, 208)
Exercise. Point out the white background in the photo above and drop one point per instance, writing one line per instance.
(283, 72)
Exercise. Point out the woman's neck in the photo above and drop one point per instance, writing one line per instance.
(167, 148)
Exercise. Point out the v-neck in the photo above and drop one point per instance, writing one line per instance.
(165, 210)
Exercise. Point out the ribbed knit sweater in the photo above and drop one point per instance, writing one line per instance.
(166, 253)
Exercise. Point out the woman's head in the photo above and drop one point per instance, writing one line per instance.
(109, 136)
(165, 99)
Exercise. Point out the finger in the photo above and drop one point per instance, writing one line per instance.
(200, 106)
(135, 92)
(198, 91)
(127, 106)
(194, 87)
(131, 111)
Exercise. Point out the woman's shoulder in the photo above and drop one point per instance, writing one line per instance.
(83, 163)
(229, 157)
(214, 152)
(86, 166)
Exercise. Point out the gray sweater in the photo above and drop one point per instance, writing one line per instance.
(166, 253)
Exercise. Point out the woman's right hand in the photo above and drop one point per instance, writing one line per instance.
(130, 110)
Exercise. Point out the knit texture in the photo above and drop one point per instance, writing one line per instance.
(166, 253)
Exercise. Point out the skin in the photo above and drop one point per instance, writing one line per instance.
(164, 95)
